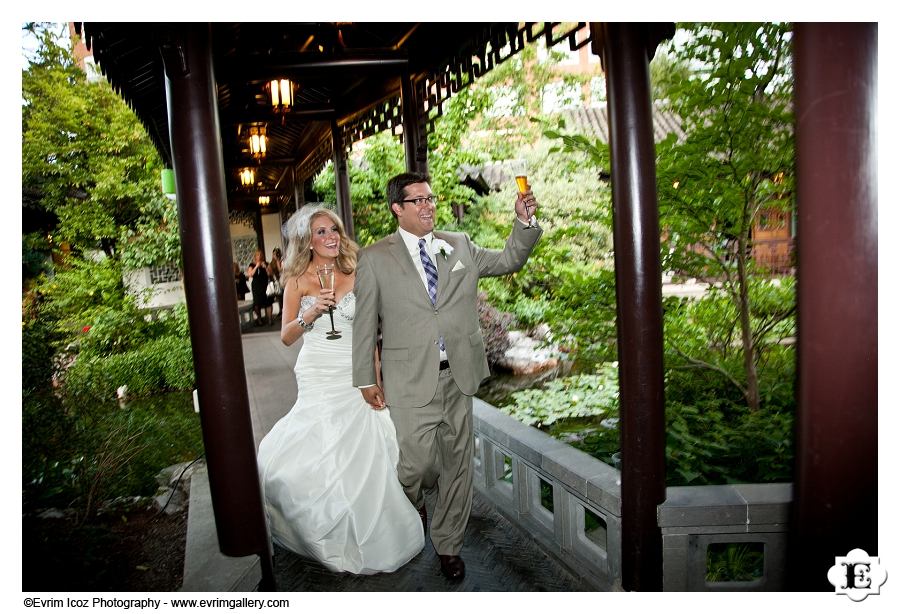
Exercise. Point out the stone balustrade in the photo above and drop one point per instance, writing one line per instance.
(570, 503)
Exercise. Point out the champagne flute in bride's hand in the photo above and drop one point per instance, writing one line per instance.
(522, 185)
(325, 273)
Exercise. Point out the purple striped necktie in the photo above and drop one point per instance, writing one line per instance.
(430, 271)
(431, 278)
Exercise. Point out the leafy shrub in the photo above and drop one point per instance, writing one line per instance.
(584, 313)
(37, 354)
(174, 321)
(161, 364)
(79, 288)
(80, 455)
(48, 443)
(176, 360)
(114, 330)
(719, 442)
(35, 255)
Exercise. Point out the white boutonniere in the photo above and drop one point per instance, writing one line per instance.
(442, 247)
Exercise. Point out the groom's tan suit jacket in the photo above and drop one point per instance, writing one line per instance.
(389, 288)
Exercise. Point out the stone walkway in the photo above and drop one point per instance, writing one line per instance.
(499, 556)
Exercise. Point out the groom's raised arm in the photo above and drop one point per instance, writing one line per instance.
(519, 244)
(365, 322)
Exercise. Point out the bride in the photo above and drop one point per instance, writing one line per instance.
(328, 468)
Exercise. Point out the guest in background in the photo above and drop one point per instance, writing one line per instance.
(276, 269)
(240, 282)
(259, 273)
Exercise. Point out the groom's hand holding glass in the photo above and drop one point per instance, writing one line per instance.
(526, 207)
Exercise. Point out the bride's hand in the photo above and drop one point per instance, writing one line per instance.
(324, 302)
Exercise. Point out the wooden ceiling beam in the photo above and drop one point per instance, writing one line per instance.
(306, 65)
(265, 114)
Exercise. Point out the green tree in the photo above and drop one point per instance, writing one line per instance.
(667, 72)
(87, 160)
(735, 162)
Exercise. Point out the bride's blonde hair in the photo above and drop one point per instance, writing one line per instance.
(297, 231)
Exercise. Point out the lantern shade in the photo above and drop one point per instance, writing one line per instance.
(282, 94)
(247, 177)
(257, 141)
(168, 181)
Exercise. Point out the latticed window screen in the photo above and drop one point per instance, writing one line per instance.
(165, 274)
(243, 248)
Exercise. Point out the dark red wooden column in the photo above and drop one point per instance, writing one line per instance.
(211, 300)
(415, 142)
(342, 179)
(638, 299)
(835, 487)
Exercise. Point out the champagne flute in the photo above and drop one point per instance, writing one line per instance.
(522, 185)
(325, 274)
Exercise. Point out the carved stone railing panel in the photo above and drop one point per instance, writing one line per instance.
(580, 523)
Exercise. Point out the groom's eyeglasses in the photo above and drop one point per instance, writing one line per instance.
(420, 200)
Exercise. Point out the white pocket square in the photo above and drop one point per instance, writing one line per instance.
(459, 266)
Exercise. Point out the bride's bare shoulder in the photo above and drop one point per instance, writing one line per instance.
(303, 285)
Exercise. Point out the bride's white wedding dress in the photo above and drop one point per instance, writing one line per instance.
(328, 468)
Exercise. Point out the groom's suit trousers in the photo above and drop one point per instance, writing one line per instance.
(436, 448)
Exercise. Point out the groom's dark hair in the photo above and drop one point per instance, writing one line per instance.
(396, 187)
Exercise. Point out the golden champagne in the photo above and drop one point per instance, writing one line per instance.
(522, 183)
(326, 281)
(326, 277)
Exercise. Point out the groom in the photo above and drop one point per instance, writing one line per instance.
(421, 285)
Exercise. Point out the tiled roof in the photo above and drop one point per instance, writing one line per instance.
(487, 177)
(592, 122)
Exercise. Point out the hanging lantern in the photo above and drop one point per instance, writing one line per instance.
(282, 92)
(257, 140)
(264, 200)
(247, 177)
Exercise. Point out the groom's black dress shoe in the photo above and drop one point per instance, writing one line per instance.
(423, 514)
(452, 567)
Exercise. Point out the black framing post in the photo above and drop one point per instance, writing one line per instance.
(298, 189)
(342, 179)
(211, 300)
(836, 472)
(258, 229)
(415, 142)
(624, 49)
